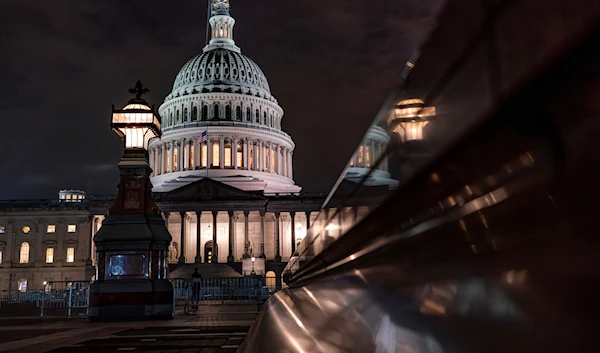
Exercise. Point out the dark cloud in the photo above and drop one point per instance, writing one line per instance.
(328, 63)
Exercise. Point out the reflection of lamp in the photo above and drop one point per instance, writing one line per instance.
(253, 259)
(409, 118)
(330, 227)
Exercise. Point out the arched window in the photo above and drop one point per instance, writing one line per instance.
(271, 121)
(265, 118)
(204, 112)
(248, 114)
(194, 113)
(216, 112)
(215, 154)
(227, 112)
(238, 113)
(240, 156)
(177, 118)
(185, 115)
(257, 116)
(170, 121)
(24, 253)
(251, 155)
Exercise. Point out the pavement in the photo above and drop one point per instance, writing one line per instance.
(214, 329)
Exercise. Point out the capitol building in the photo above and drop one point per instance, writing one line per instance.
(222, 177)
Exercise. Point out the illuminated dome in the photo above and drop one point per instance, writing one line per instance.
(221, 70)
(221, 121)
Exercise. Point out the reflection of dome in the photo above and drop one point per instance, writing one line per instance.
(370, 150)
(222, 70)
(221, 121)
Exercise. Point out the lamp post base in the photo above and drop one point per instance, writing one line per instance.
(131, 300)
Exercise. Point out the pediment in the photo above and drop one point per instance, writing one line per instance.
(207, 189)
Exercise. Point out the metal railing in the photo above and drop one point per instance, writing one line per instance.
(65, 295)
(191, 293)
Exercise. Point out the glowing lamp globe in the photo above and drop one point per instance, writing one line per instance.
(409, 118)
(136, 123)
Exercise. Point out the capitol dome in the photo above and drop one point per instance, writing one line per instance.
(221, 121)
(222, 70)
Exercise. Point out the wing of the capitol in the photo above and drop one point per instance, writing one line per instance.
(222, 176)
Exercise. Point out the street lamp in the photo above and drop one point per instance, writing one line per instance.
(409, 118)
(132, 245)
(253, 259)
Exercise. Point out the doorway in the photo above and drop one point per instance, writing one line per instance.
(210, 251)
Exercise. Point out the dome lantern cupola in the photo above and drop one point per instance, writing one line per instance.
(221, 24)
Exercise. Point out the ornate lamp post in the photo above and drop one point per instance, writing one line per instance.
(132, 245)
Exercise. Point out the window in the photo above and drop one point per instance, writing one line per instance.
(168, 166)
(24, 253)
(177, 119)
(22, 285)
(71, 228)
(257, 116)
(271, 280)
(49, 255)
(265, 118)
(51, 228)
(275, 158)
(238, 113)
(240, 156)
(248, 114)
(215, 154)
(361, 156)
(368, 149)
(227, 112)
(185, 114)
(203, 155)
(227, 159)
(268, 159)
(251, 157)
(70, 254)
(2, 230)
(194, 113)
(191, 162)
(175, 159)
(26, 229)
(216, 114)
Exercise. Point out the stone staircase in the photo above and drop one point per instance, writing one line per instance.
(206, 270)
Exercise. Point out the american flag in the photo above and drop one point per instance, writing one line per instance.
(201, 138)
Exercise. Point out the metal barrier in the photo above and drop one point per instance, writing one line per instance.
(19, 297)
(194, 292)
(65, 295)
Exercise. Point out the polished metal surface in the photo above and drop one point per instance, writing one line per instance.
(489, 243)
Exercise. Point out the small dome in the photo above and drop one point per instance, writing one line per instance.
(221, 70)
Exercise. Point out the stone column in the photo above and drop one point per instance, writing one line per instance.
(307, 220)
(215, 256)
(245, 153)
(255, 154)
(231, 225)
(182, 252)
(197, 154)
(246, 230)
(262, 235)
(234, 149)
(293, 220)
(221, 152)
(198, 258)
(291, 166)
(209, 147)
(182, 155)
(365, 155)
(277, 251)
(263, 163)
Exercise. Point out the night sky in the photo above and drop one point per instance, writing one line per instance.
(329, 64)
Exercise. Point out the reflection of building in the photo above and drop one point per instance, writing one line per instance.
(223, 169)
(366, 156)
